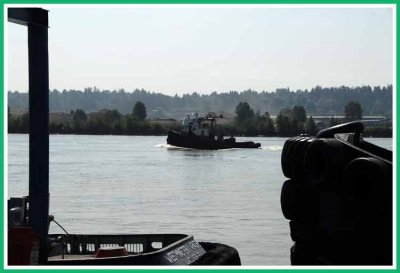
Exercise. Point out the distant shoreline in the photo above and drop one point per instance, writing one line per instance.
(368, 136)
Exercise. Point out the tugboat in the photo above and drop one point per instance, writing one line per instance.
(199, 133)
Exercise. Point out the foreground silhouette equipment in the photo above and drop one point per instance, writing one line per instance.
(338, 198)
(28, 217)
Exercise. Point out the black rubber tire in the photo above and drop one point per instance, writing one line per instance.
(367, 184)
(324, 161)
(303, 232)
(285, 160)
(292, 155)
(368, 175)
(288, 199)
(297, 163)
(299, 203)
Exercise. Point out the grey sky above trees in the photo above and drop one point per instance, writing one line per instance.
(181, 49)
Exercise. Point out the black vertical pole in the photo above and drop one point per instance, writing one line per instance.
(39, 134)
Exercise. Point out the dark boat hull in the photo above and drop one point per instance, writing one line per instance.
(206, 143)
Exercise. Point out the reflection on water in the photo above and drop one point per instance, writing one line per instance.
(137, 184)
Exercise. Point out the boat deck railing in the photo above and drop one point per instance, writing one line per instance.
(79, 244)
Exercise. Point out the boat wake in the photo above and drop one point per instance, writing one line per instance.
(163, 145)
(272, 148)
(171, 147)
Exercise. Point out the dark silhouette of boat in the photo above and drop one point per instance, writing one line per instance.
(199, 133)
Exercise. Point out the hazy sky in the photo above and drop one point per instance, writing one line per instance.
(191, 49)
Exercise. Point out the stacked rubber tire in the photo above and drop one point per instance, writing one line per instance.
(338, 199)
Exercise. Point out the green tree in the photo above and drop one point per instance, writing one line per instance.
(131, 126)
(139, 111)
(97, 126)
(299, 113)
(79, 115)
(270, 128)
(24, 123)
(110, 116)
(264, 124)
(244, 113)
(287, 124)
(311, 126)
(282, 124)
(353, 111)
(79, 119)
(119, 127)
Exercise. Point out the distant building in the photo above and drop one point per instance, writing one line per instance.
(165, 121)
(369, 121)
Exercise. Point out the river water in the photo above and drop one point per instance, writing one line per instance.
(138, 184)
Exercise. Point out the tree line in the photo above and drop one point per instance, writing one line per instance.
(289, 122)
(103, 122)
(248, 122)
(317, 101)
